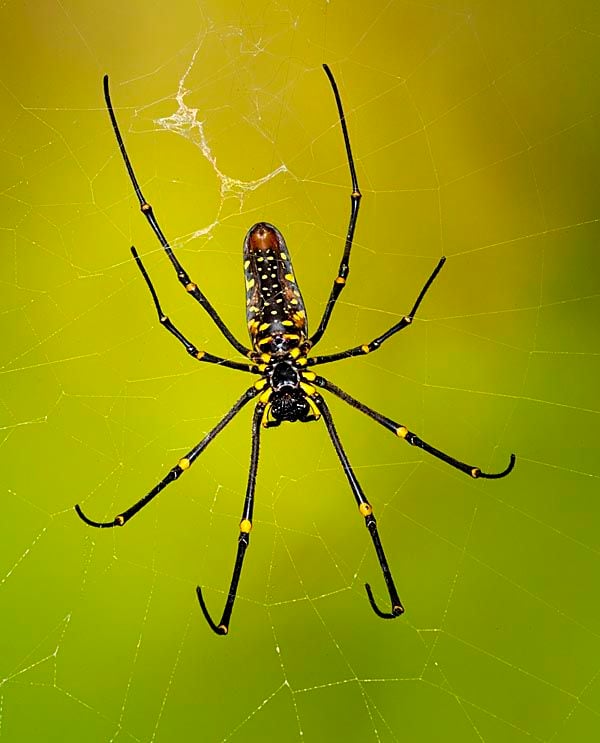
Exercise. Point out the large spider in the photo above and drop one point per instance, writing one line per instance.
(281, 345)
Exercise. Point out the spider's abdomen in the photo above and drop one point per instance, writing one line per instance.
(274, 307)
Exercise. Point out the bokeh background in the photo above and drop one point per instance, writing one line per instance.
(475, 130)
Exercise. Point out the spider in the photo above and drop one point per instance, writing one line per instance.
(280, 355)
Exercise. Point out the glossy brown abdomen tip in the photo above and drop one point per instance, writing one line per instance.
(263, 237)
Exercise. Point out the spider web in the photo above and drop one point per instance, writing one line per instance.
(474, 130)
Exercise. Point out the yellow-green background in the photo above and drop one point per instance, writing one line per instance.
(475, 127)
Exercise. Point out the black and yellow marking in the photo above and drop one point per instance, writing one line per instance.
(273, 298)
(275, 306)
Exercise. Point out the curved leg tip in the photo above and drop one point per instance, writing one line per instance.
(119, 521)
(220, 629)
(397, 608)
(496, 475)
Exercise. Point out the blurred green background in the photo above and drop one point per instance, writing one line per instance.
(475, 130)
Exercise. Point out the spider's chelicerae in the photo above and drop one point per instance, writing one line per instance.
(280, 355)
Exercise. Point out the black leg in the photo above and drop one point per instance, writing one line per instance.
(189, 347)
(366, 510)
(407, 435)
(376, 343)
(355, 198)
(183, 464)
(244, 538)
(147, 211)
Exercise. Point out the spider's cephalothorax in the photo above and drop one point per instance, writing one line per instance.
(275, 309)
(288, 396)
(286, 390)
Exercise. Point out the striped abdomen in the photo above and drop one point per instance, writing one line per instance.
(274, 307)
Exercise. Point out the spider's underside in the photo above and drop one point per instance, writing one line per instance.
(286, 389)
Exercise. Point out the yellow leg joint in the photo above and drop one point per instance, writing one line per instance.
(340, 280)
(145, 207)
(314, 409)
(365, 509)
(310, 376)
(245, 526)
(475, 472)
(264, 398)
(267, 417)
(119, 520)
(191, 287)
(402, 431)
(308, 389)
(224, 629)
(365, 348)
(200, 354)
(184, 463)
(260, 385)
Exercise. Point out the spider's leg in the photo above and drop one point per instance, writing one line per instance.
(367, 511)
(148, 212)
(412, 438)
(355, 197)
(244, 538)
(376, 343)
(189, 347)
(183, 464)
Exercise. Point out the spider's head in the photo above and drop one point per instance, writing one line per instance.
(289, 404)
